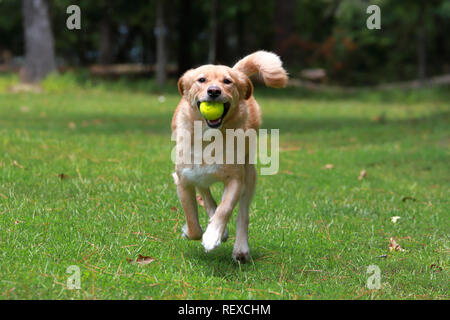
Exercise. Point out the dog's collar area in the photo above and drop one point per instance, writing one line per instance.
(214, 124)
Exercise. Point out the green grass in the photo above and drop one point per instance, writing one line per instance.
(313, 231)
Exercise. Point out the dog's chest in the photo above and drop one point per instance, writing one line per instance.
(202, 175)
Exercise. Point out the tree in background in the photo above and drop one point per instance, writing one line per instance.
(212, 33)
(161, 54)
(107, 43)
(184, 49)
(308, 34)
(39, 47)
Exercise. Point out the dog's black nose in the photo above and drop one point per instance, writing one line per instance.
(214, 91)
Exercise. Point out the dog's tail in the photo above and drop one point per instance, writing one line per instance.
(267, 64)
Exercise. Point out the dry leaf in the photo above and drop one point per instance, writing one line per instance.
(24, 109)
(436, 268)
(141, 260)
(63, 176)
(72, 125)
(329, 166)
(362, 174)
(200, 200)
(394, 219)
(380, 118)
(16, 164)
(393, 245)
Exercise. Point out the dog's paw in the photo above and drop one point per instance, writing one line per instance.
(241, 256)
(211, 239)
(184, 233)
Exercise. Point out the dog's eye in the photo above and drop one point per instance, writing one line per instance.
(226, 81)
(201, 80)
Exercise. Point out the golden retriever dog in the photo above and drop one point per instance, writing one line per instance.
(233, 88)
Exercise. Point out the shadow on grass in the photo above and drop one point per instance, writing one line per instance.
(160, 123)
(221, 264)
(299, 125)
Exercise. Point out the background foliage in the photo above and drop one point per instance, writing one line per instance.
(329, 34)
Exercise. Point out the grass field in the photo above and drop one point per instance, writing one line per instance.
(85, 180)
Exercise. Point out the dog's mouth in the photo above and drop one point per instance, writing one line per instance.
(216, 123)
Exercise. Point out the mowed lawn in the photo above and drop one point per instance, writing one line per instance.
(85, 180)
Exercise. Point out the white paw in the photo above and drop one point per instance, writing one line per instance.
(211, 239)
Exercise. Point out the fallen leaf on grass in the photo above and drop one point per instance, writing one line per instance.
(24, 109)
(200, 201)
(16, 164)
(435, 267)
(381, 118)
(72, 125)
(141, 260)
(394, 219)
(63, 176)
(362, 174)
(408, 198)
(329, 166)
(393, 245)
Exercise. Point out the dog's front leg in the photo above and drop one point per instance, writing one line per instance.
(212, 237)
(211, 206)
(192, 229)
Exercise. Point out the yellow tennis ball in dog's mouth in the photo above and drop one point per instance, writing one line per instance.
(211, 110)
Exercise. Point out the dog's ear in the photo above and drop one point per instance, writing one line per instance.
(180, 85)
(249, 88)
(183, 82)
(244, 84)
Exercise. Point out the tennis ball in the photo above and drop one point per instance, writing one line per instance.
(211, 110)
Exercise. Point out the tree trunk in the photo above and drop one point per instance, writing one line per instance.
(106, 47)
(184, 37)
(39, 46)
(106, 51)
(212, 53)
(161, 54)
(421, 51)
(284, 28)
